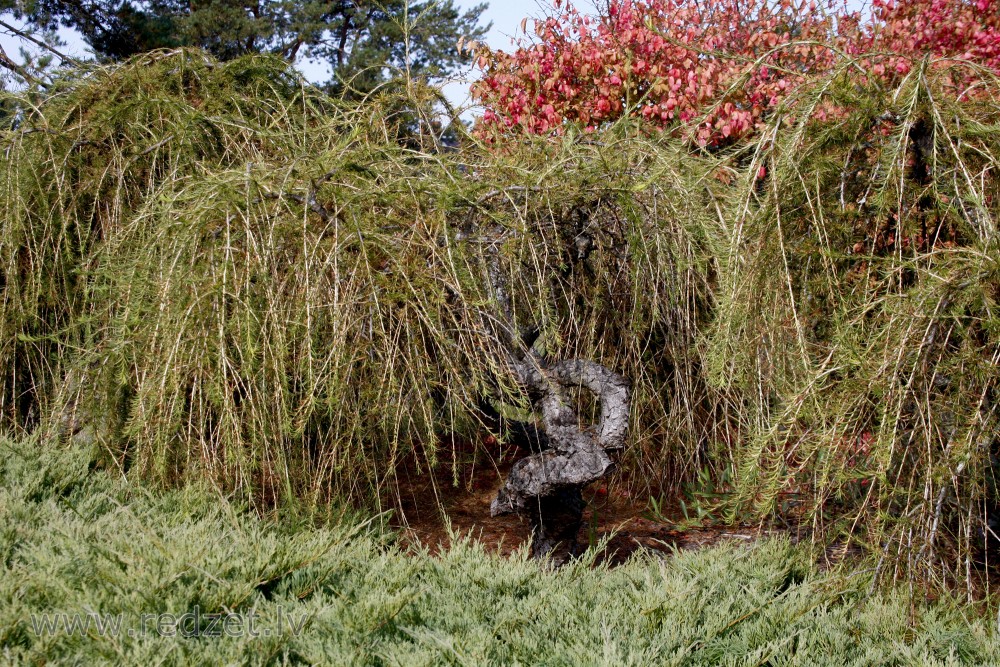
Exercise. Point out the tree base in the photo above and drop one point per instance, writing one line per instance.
(555, 524)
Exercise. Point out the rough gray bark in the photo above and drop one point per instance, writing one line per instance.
(546, 486)
(74, 422)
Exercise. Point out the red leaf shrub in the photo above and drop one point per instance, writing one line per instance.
(719, 66)
(961, 29)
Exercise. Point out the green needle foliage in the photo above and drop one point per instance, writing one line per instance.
(364, 43)
(858, 317)
(212, 271)
(245, 281)
(338, 591)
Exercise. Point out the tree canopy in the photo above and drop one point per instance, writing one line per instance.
(360, 40)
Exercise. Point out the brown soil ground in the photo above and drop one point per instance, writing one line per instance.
(467, 478)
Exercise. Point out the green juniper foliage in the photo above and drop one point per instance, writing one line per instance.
(338, 591)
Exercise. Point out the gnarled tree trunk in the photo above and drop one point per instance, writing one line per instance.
(546, 486)
(566, 454)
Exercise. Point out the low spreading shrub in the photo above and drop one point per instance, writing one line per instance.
(97, 570)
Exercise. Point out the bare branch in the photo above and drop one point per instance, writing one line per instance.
(39, 43)
(20, 71)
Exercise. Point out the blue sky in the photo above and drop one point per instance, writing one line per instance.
(506, 16)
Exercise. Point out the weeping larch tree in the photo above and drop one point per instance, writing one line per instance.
(790, 284)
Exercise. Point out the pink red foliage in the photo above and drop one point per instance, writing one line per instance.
(961, 29)
(718, 66)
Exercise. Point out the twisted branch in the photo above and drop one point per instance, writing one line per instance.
(547, 485)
